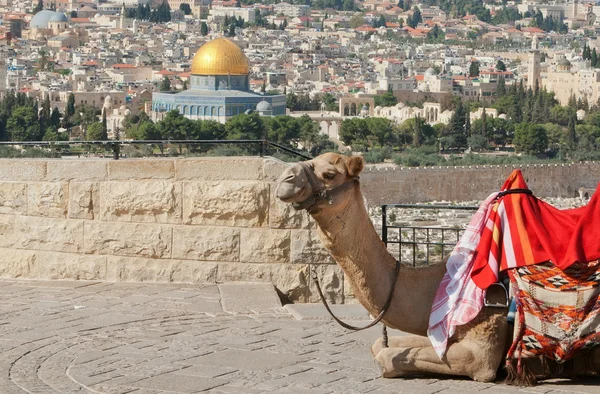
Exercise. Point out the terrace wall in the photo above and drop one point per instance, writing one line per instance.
(392, 185)
(158, 220)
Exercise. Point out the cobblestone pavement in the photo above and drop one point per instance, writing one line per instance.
(86, 337)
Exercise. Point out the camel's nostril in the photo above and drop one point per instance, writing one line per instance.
(289, 178)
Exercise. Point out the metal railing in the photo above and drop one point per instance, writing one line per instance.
(421, 243)
(115, 146)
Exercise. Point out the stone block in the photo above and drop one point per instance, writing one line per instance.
(206, 243)
(20, 170)
(131, 269)
(331, 280)
(290, 280)
(125, 239)
(239, 204)
(283, 215)
(18, 263)
(38, 233)
(141, 169)
(48, 199)
(248, 297)
(265, 246)
(273, 168)
(13, 198)
(220, 169)
(308, 249)
(83, 200)
(77, 170)
(71, 266)
(141, 201)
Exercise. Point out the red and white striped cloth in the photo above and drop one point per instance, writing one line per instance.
(458, 299)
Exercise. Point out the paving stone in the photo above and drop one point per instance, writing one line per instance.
(117, 338)
(179, 383)
(318, 312)
(248, 297)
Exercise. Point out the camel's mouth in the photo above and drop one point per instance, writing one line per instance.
(289, 193)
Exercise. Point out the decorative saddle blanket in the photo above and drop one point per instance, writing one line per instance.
(559, 311)
(522, 231)
(517, 231)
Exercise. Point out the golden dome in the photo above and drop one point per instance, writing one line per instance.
(220, 57)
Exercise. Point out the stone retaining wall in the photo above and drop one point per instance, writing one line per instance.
(392, 185)
(158, 220)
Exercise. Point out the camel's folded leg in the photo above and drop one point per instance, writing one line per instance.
(410, 341)
(459, 360)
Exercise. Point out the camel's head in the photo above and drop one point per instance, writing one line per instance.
(320, 182)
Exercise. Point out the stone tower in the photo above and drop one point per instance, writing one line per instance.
(533, 73)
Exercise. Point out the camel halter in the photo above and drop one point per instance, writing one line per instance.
(319, 193)
(310, 204)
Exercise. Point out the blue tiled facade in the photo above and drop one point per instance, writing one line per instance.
(217, 97)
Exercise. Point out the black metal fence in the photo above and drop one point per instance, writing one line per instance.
(421, 244)
(172, 147)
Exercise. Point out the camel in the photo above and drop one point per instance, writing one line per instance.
(329, 189)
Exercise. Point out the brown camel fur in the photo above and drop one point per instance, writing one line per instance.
(477, 348)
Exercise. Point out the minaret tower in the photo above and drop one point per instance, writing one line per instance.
(535, 58)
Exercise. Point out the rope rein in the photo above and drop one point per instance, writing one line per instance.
(388, 302)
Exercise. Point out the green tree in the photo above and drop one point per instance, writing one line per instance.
(175, 126)
(210, 130)
(70, 108)
(357, 20)
(500, 66)
(571, 134)
(245, 127)
(474, 69)
(38, 7)
(143, 131)
(165, 85)
(415, 19)
(185, 8)
(23, 125)
(385, 100)
(382, 129)
(44, 114)
(501, 87)
(282, 129)
(54, 135)
(96, 132)
(355, 132)
(530, 139)
(203, 29)
(55, 119)
(330, 102)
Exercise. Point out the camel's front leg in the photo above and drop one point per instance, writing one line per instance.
(407, 341)
(459, 360)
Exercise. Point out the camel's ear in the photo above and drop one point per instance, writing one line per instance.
(355, 165)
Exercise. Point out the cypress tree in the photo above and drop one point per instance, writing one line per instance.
(572, 102)
(55, 118)
(501, 87)
(571, 134)
(484, 123)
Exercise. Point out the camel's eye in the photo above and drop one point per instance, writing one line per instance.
(329, 175)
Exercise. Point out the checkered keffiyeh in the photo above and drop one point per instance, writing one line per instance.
(458, 300)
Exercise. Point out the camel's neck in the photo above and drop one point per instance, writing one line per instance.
(350, 237)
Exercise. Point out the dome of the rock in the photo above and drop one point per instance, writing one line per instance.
(220, 57)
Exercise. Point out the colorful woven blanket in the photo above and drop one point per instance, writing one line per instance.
(559, 311)
(522, 230)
